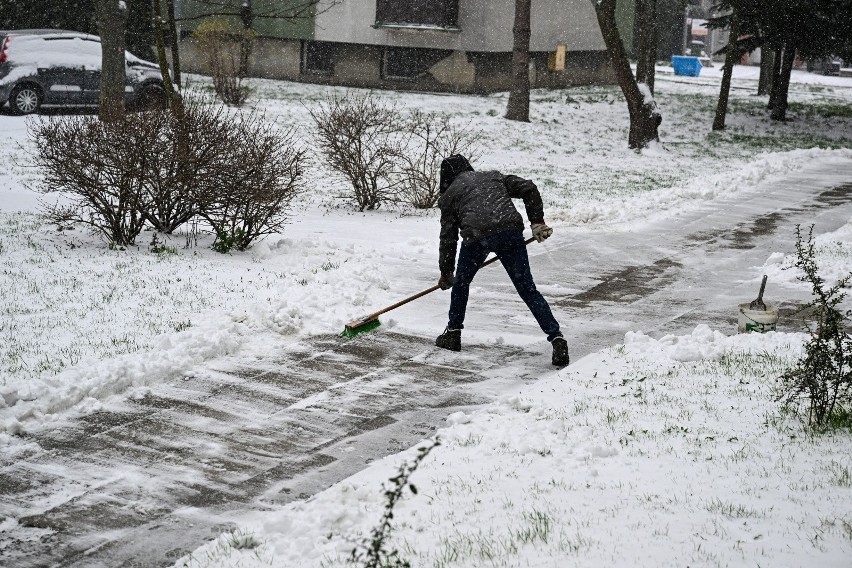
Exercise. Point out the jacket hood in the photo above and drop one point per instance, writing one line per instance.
(452, 167)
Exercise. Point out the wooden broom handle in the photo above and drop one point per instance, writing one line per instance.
(432, 289)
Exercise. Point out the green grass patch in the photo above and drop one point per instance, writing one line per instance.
(824, 110)
(733, 510)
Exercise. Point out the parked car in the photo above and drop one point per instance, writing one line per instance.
(696, 48)
(63, 68)
(825, 65)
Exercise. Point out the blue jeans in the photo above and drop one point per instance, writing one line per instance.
(510, 249)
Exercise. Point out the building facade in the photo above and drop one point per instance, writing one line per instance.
(432, 45)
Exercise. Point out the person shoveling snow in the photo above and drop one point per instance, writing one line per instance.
(478, 205)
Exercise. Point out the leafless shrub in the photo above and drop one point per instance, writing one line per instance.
(385, 154)
(98, 166)
(185, 154)
(227, 51)
(239, 173)
(432, 138)
(260, 174)
(360, 136)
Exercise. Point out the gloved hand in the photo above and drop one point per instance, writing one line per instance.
(540, 231)
(445, 282)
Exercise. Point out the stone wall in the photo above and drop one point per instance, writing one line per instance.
(361, 66)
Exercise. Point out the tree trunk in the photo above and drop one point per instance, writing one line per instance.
(175, 100)
(112, 16)
(767, 64)
(779, 110)
(776, 76)
(732, 54)
(173, 31)
(176, 105)
(653, 42)
(518, 107)
(646, 29)
(247, 17)
(644, 117)
(640, 31)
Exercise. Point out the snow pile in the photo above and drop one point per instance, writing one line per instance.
(121, 310)
(706, 344)
(833, 252)
(333, 285)
(90, 381)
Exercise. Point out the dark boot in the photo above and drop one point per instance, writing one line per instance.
(560, 352)
(450, 339)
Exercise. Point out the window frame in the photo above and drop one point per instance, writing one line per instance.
(304, 69)
(387, 17)
(420, 52)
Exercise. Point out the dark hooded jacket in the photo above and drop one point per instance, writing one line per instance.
(479, 204)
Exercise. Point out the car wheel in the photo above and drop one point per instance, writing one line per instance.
(153, 97)
(25, 99)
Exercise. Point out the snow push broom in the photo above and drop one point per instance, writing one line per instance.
(371, 322)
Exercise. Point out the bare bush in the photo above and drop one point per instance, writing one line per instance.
(432, 137)
(98, 166)
(227, 51)
(385, 154)
(185, 155)
(261, 174)
(239, 173)
(360, 136)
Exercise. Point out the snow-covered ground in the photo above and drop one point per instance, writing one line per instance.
(660, 451)
(666, 452)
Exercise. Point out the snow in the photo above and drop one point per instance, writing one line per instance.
(613, 461)
(658, 451)
(747, 73)
(36, 52)
(834, 251)
(647, 95)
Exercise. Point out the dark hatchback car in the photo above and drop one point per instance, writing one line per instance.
(63, 68)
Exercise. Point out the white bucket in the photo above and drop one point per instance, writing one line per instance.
(759, 321)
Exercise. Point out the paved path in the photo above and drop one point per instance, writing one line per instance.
(698, 267)
(147, 481)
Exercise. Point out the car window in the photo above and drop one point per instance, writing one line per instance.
(88, 46)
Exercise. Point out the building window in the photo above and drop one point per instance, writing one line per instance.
(410, 62)
(317, 57)
(430, 13)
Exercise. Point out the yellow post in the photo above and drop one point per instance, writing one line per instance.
(556, 61)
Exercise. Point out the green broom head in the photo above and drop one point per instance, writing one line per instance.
(360, 326)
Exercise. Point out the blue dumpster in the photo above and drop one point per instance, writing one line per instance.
(688, 66)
